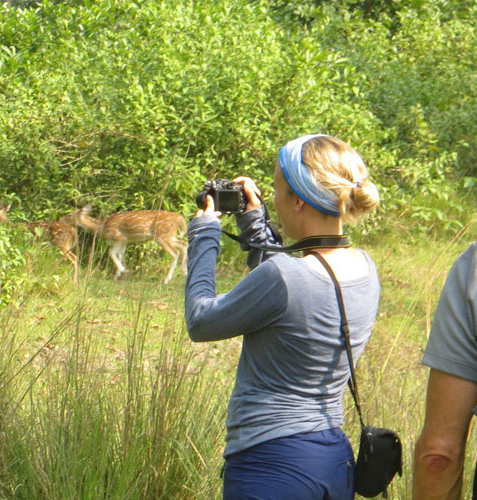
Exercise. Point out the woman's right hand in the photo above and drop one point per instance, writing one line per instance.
(209, 208)
(251, 191)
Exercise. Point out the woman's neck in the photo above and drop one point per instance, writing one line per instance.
(321, 224)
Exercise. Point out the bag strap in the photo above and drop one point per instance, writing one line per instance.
(352, 383)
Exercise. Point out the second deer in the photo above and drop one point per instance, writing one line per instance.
(123, 228)
(59, 233)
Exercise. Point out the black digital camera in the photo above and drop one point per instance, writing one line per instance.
(228, 196)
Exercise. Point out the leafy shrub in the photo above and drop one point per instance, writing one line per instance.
(133, 105)
(12, 266)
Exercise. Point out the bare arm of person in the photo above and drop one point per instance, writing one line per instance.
(440, 450)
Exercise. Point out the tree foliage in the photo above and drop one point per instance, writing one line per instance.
(133, 105)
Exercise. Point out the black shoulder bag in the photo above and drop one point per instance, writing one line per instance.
(380, 450)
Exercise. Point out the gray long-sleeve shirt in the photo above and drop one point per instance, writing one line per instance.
(293, 367)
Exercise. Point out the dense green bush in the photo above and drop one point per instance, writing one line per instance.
(414, 84)
(12, 265)
(133, 105)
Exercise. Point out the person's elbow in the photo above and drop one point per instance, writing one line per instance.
(195, 329)
(440, 452)
(195, 335)
(434, 463)
(198, 327)
(438, 464)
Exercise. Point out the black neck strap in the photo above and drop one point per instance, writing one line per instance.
(332, 241)
(309, 243)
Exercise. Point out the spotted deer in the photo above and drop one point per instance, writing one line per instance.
(121, 229)
(61, 234)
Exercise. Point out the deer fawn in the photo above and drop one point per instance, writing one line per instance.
(60, 233)
(123, 228)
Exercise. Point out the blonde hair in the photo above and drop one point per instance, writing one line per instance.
(339, 168)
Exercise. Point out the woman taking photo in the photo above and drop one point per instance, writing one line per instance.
(284, 438)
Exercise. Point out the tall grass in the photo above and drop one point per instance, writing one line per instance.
(103, 396)
(391, 378)
(114, 406)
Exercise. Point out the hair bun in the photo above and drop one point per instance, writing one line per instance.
(365, 195)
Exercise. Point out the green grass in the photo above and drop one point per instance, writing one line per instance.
(391, 378)
(103, 396)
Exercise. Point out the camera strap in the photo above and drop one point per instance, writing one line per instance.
(331, 241)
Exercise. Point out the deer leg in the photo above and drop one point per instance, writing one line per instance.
(181, 248)
(116, 252)
(173, 268)
(182, 245)
(74, 260)
(174, 253)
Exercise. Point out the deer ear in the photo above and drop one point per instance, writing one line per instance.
(7, 207)
(87, 208)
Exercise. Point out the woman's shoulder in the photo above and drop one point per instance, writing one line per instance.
(287, 265)
(283, 260)
(369, 259)
(279, 266)
(277, 263)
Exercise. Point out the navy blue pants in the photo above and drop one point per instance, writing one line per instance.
(307, 466)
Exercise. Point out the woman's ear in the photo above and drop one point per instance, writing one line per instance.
(299, 204)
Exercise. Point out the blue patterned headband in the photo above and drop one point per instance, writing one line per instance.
(302, 182)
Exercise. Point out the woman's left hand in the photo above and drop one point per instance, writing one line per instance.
(209, 208)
